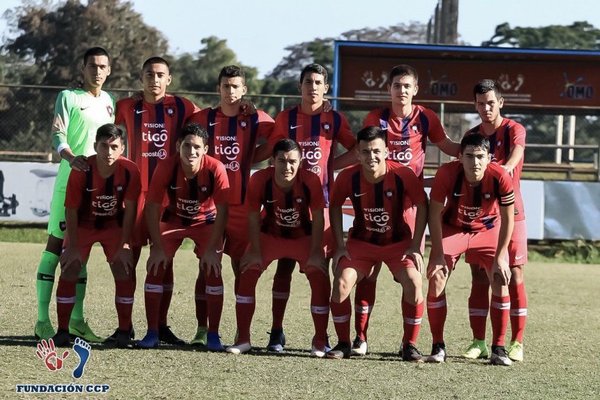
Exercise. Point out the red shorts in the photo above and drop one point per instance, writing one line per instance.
(478, 247)
(517, 247)
(273, 248)
(364, 255)
(410, 216)
(109, 239)
(140, 236)
(236, 231)
(172, 235)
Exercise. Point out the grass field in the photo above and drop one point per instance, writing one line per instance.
(561, 340)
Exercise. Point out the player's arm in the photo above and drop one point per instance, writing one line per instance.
(124, 256)
(500, 268)
(157, 257)
(71, 256)
(436, 257)
(253, 255)
(516, 155)
(210, 259)
(336, 220)
(449, 146)
(316, 258)
(345, 160)
(414, 250)
(60, 125)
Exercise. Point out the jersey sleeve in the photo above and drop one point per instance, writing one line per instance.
(507, 194)
(317, 199)
(280, 129)
(265, 125)
(413, 186)
(200, 117)
(436, 132)
(345, 135)
(158, 185)
(255, 190)
(135, 184)
(341, 189)
(75, 187)
(517, 136)
(221, 193)
(440, 186)
(372, 118)
(60, 121)
(191, 109)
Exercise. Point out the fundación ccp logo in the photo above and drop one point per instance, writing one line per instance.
(54, 361)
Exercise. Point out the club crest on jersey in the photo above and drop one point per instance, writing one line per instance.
(326, 126)
(414, 128)
(170, 112)
(389, 194)
(203, 188)
(498, 143)
(110, 110)
(299, 200)
(487, 196)
(243, 124)
(119, 188)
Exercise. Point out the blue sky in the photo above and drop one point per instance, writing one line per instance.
(259, 31)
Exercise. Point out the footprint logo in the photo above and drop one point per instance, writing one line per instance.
(83, 350)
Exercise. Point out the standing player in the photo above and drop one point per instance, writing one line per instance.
(78, 113)
(408, 127)
(100, 207)
(507, 145)
(318, 132)
(233, 137)
(292, 227)
(477, 220)
(194, 188)
(153, 123)
(380, 191)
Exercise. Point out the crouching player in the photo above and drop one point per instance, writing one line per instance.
(100, 207)
(292, 227)
(477, 220)
(194, 189)
(380, 191)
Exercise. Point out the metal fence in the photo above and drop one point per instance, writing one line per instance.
(26, 116)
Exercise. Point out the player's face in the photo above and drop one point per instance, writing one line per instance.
(191, 151)
(488, 106)
(313, 88)
(109, 150)
(95, 72)
(286, 166)
(403, 89)
(475, 161)
(155, 79)
(232, 90)
(372, 155)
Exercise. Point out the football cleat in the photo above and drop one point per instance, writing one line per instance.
(239, 348)
(438, 353)
(499, 356)
(43, 330)
(477, 349)
(342, 350)
(359, 347)
(200, 338)
(515, 351)
(276, 341)
(80, 328)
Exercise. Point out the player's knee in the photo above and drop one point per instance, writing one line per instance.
(437, 283)
(516, 277)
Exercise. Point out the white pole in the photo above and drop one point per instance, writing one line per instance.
(559, 137)
(571, 137)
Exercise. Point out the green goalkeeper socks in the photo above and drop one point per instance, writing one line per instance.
(45, 282)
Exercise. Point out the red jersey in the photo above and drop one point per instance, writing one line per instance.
(379, 208)
(407, 137)
(472, 209)
(502, 141)
(318, 136)
(152, 130)
(100, 202)
(232, 140)
(189, 202)
(287, 214)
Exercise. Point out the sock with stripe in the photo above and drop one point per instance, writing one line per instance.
(165, 300)
(499, 314)
(412, 315)
(437, 310)
(124, 290)
(245, 303)
(364, 300)
(518, 311)
(65, 300)
(320, 288)
(340, 313)
(281, 291)
(214, 301)
(479, 304)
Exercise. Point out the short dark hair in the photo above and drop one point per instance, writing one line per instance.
(487, 85)
(371, 133)
(110, 131)
(155, 60)
(475, 140)
(404, 70)
(95, 51)
(314, 69)
(285, 145)
(194, 129)
(231, 71)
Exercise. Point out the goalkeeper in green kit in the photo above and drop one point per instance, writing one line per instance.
(78, 113)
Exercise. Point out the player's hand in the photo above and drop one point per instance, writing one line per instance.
(437, 263)
(158, 259)
(247, 107)
(70, 257)
(327, 106)
(338, 255)
(79, 163)
(212, 261)
(501, 271)
(249, 259)
(317, 260)
(416, 256)
(508, 169)
(124, 257)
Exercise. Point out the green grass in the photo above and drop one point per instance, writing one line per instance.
(561, 339)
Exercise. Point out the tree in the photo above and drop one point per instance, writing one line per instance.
(48, 51)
